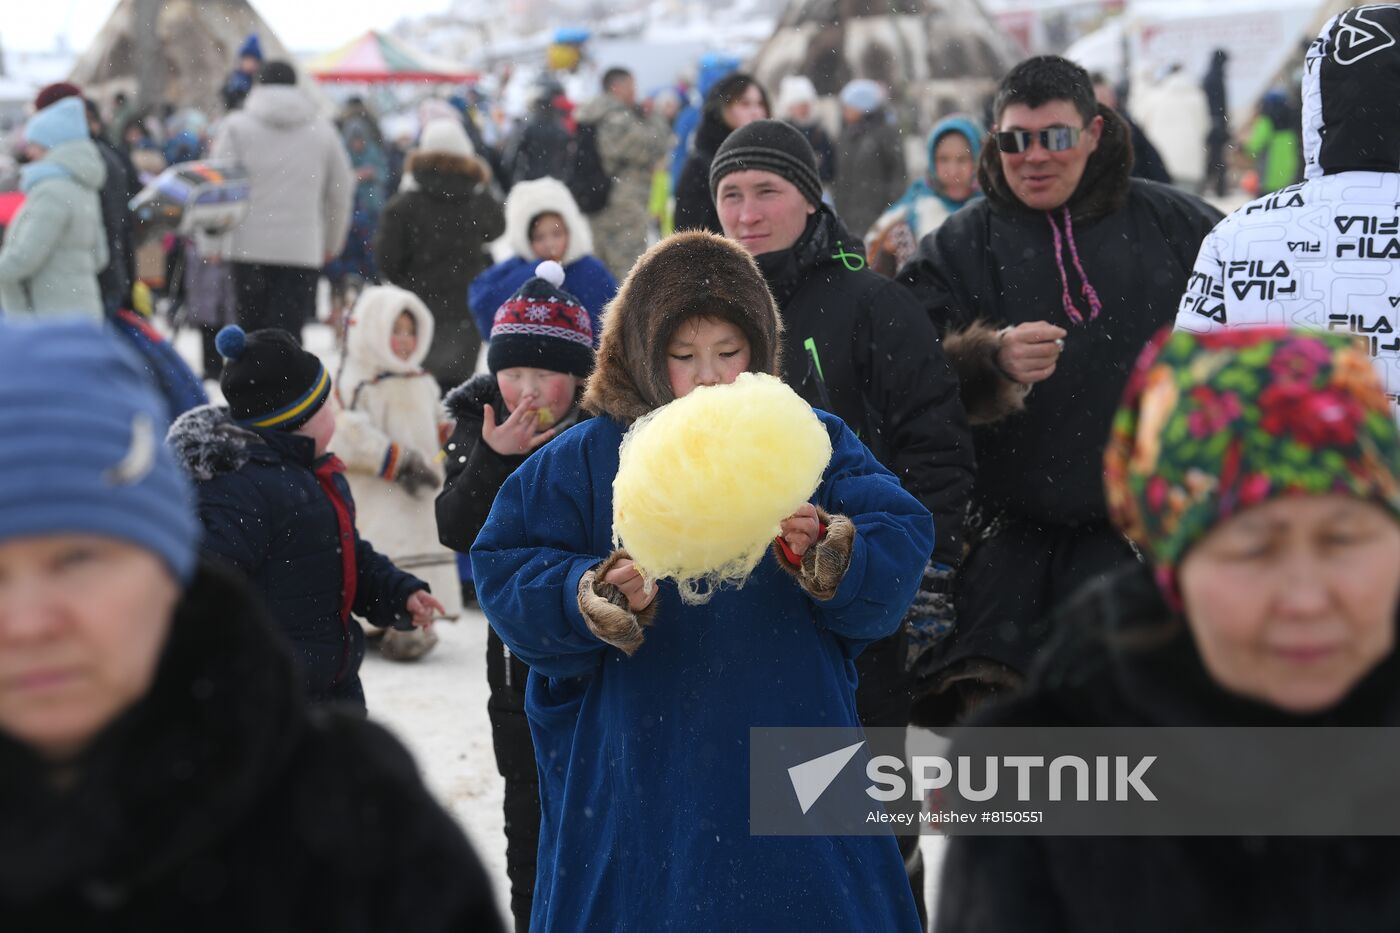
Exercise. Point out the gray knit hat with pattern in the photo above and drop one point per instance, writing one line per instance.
(769, 146)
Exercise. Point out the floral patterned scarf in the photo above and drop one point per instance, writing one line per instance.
(1213, 424)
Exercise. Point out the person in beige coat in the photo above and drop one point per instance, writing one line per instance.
(300, 195)
(387, 432)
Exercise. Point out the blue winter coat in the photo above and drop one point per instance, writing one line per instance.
(585, 278)
(644, 760)
(264, 512)
(171, 375)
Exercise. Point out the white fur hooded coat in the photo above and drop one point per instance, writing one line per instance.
(389, 406)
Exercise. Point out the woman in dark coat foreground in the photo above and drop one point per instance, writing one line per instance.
(159, 769)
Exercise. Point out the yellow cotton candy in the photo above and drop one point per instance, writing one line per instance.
(704, 482)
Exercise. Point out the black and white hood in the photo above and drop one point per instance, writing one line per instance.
(1351, 93)
(1323, 254)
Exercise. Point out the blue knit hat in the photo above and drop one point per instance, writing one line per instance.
(251, 48)
(864, 95)
(83, 449)
(58, 123)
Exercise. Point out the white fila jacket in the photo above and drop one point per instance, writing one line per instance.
(1325, 253)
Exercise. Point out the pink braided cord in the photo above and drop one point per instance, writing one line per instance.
(1087, 290)
(1068, 302)
(1090, 295)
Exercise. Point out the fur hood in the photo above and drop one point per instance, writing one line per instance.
(444, 174)
(207, 441)
(1103, 189)
(528, 200)
(691, 273)
(371, 325)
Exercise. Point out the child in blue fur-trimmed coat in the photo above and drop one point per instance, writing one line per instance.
(640, 706)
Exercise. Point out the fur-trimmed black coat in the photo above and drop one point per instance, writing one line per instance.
(432, 241)
(856, 344)
(993, 265)
(1097, 673)
(219, 803)
(265, 514)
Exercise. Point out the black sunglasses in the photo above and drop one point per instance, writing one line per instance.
(1055, 139)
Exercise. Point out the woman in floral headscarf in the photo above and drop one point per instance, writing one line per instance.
(1256, 471)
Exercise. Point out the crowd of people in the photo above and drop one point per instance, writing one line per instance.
(1029, 471)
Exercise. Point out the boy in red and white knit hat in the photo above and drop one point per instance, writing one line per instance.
(541, 352)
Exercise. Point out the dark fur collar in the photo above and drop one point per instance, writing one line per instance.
(207, 441)
(469, 400)
(1103, 189)
(171, 775)
(426, 165)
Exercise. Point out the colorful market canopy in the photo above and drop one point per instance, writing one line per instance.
(375, 58)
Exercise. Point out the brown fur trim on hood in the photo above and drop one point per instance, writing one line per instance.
(445, 163)
(986, 393)
(689, 274)
(1102, 190)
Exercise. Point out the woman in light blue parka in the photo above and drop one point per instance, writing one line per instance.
(56, 245)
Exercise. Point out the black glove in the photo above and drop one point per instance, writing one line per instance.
(413, 473)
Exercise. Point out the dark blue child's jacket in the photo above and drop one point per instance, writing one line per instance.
(265, 512)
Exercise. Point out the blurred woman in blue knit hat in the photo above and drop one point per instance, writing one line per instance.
(159, 769)
(57, 244)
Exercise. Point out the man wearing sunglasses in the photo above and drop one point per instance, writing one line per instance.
(1044, 291)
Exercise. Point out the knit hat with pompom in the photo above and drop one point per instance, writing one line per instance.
(543, 327)
(270, 381)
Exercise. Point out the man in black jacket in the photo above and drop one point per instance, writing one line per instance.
(1045, 291)
(854, 344)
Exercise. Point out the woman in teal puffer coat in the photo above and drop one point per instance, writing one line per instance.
(57, 244)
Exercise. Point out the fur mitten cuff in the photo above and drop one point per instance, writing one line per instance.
(824, 565)
(605, 608)
(987, 393)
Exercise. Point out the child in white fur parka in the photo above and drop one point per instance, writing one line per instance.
(387, 432)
